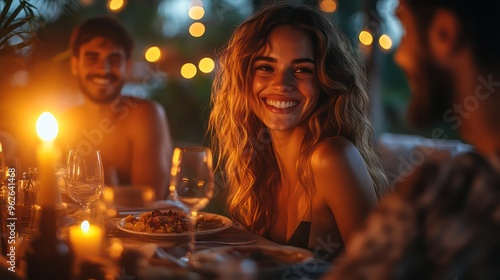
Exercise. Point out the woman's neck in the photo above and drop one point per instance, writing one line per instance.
(287, 146)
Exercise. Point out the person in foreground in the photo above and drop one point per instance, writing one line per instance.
(290, 124)
(443, 222)
(131, 133)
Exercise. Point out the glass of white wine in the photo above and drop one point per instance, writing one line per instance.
(84, 177)
(191, 185)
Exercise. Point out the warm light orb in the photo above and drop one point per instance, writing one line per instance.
(116, 5)
(206, 65)
(115, 248)
(365, 38)
(85, 226)
(153, 54)
(328, 6)
(188, 70)
(197, 29)
(108, 195)
(148, 195)
(196, 12)
(46, 127)
(385, 42)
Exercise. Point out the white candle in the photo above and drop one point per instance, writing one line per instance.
(47, 155)
(86, 240)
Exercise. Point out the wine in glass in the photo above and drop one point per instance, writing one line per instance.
(191, 184)
(84, 177)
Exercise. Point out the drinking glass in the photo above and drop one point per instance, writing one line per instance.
(191, 185)
(84, 177)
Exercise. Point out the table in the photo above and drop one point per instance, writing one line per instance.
(137, 260)
(177, 248)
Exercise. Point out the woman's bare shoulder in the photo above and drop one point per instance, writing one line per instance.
(333, 151)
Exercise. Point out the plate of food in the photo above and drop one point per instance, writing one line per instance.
(172, 224)
(264, 260)
(263, 256)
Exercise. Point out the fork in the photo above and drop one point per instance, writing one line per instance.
(246, 242)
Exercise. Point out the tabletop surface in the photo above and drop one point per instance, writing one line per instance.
(137, 256)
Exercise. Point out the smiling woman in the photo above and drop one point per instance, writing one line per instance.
(289, 122)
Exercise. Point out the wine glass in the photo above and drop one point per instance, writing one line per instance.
(84, 177)
(191, 185)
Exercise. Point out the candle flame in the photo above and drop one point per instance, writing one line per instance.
(46, 127)
(85, 226)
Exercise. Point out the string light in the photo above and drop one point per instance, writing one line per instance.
(188, 70)
(328, 6)
(196, 12)
(153, 54)
(116, 5)
(197, 29)
(206, 65)
(385, 42)
(365, 38)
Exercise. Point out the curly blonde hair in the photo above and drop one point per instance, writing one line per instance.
(241, 140)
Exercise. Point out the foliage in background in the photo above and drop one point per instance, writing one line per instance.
(20, 21)
(18, 26)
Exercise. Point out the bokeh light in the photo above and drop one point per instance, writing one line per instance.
(188, 70)
(328, 6)
(197, 29)
(206, 65)
(153, 54)
(196, 12)
(115, 248)
(365, 38)
(385, 42)
(116, 5)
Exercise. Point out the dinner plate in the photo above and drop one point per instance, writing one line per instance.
(262, 255)
(263, 261)
(226, 223)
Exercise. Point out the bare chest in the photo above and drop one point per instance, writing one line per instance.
(112, 140)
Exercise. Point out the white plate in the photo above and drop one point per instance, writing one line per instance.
(226, 223)
(264, 256)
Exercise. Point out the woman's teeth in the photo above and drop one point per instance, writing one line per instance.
(281, 104)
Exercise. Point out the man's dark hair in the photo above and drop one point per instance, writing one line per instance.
(480, 25)
(103, 26)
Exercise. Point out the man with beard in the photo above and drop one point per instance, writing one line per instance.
(443, 221)
(131, 133)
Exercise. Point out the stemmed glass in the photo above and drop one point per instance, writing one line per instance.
(84, 177)
(191, 185)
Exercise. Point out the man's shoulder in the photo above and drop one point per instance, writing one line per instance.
(137, 102)
(137, 107)
(139, 113)
(446, 179)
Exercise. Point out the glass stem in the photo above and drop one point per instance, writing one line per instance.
(86, 212)
(193, 215)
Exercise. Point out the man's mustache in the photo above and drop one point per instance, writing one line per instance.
(107, 76)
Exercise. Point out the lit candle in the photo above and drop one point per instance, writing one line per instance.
(86, 240)
(47, 155)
